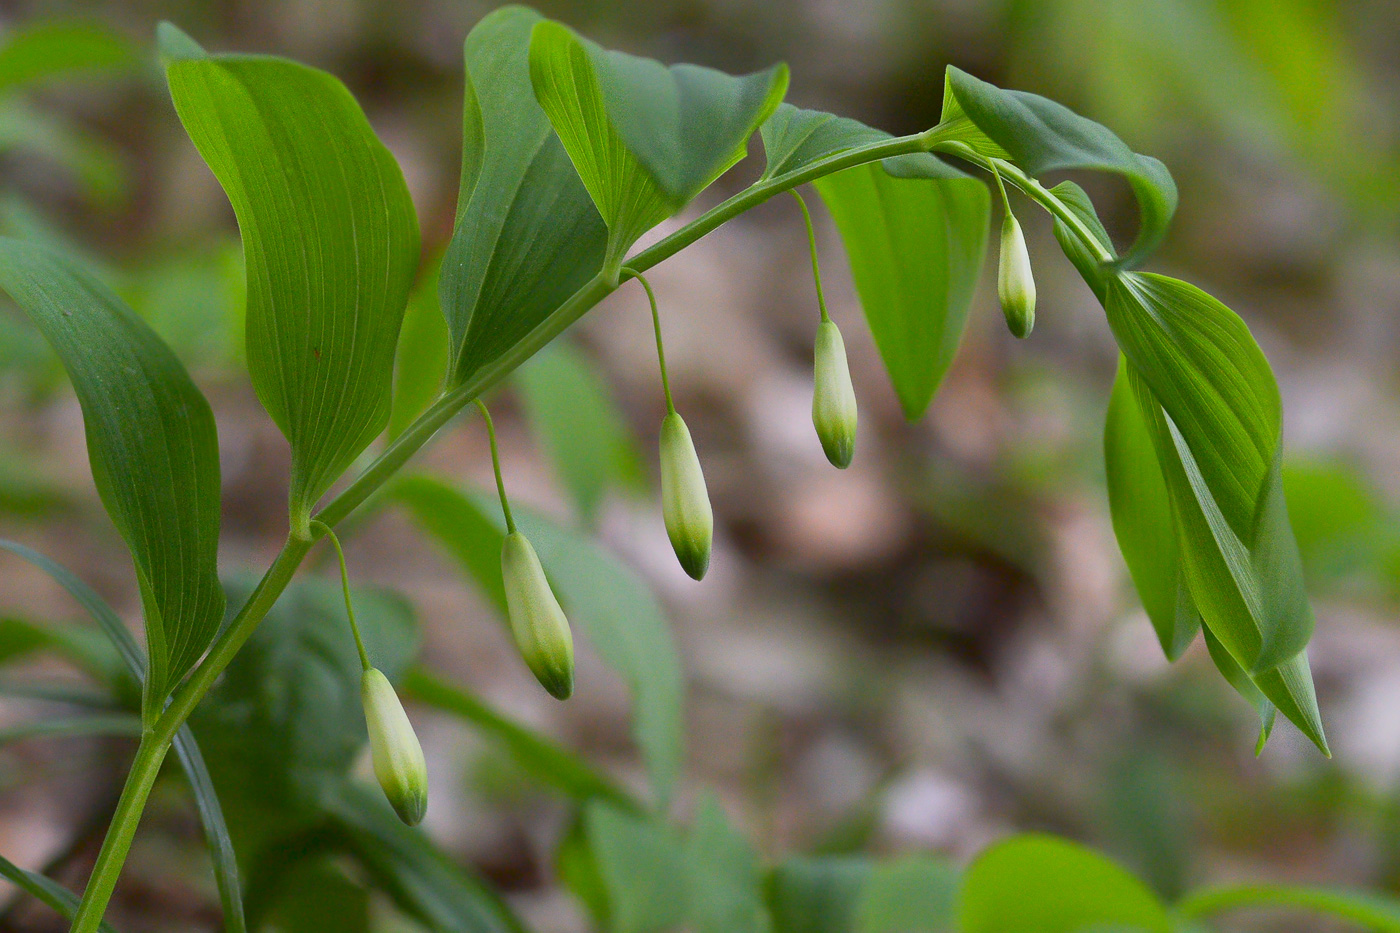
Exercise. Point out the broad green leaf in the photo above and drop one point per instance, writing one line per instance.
(331, 245)
(1042, 136)
(46, 890)
(1142, 521)
(152, 446)
(601, 596)
(645, 138)
(1366, 910)
(915, 894)
(424, 882)
(915, 247)
(1211, 576)
(1077, 201)
(536, 754)
(420, 361)
(43, 50)
(725, 885)
(643, 867)
(527, 235)
(817, 895)
(1223, 420)
(1343, 528)
(573, 413)
(1040, 884)
(794, 139)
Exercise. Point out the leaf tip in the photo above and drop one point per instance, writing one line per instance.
(174, 44)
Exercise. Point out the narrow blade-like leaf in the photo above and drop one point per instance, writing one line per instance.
(45, 889)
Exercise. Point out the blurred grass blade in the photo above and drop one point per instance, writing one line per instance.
(43, 50)
(152, 446)
(1142, 520)
(808, 894)
(1368, 911)
(544, 760)
(111, 724)
(1041, 884)
(1042, 136)
(913, 894)
(423, 881)
(726, 892)
(526, 235)
(915, 247)
(607, 600)
(331, 243)
(642, 865)
(50, 892)
(575, 417)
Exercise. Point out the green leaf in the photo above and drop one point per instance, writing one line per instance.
(55, 895)
(725, 885)
(914, 894)
(331, 245)
(643, 868)
(1236, 677)
(576, 419)
(817, 895)
(915, 247)
(794, 139)
(423, 881)
(1369, 911)
(152, 446)
(537, 755)
(527, 235)
(1222, 418)
(1040, 884)
(1077, 201)
(1142, 520)
(606, 599)
(1042, 136)
(44, 50)
(316, 896)
(420, 361)
(645, 138)
(111, 724)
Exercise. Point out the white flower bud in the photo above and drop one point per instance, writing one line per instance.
(684, 501)
(541, 631)
(398, 758)
(1015, 283)
(833, 399)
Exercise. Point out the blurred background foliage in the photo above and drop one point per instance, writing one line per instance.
(923, 653)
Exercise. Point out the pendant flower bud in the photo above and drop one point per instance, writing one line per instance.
(398, 758)
(541, 631)
(833, 399)
(1015, 283)
(685, 503)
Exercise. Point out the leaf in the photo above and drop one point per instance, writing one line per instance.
(645, 138)
(606, 599)
(1236, 677)
(1077, 201)
(1042, 136)
(725, 885)
(420, 360)
(576, 419)
(643, 868)
(794, 139)
(527, 235)
(1142, 521)
(50, 892)
(331, 245)
(914, 894)
(1040, 884)
(1369, 911)
(318, 897)
(817, 895)
(44, 50)
(1223, 420)
(211, 813)
(915, 247)
(423, 881)
(536, 754)
(123, 724)
(152, 446)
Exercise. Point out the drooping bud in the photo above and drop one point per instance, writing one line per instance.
(833, 399)
(1015, 283)
(685, 503)
(398, 758)
(541, 631)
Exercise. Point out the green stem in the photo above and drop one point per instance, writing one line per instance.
(323, 528)
(812, 245)
(496, 467)
(656, 325)
(156, 741)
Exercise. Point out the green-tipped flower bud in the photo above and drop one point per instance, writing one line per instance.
(1015, 284)
(541, 632)
(398, 758)
(684, 501)
(834, 399)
